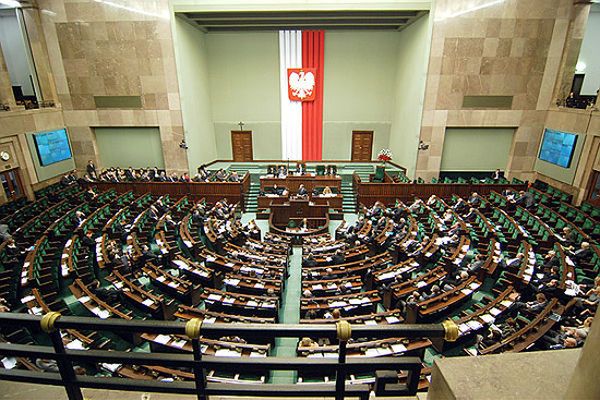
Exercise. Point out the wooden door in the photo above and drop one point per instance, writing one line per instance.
(241, 145)
(593, 191)
(11, 183)
(362, 145)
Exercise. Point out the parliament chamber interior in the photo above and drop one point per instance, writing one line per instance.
(299, 199)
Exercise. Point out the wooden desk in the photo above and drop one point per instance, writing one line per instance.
(296, 210)
(211, 191)
(310, 182)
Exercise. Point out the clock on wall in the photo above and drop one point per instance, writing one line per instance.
(4, 156)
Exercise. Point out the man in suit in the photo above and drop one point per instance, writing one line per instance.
(583, 254)
(130, 175)
(474, 200)
(276, 190)
(569, 237)
(309, 261)
(234, 177)
(91, 170)
(302, 191)
(525, 199)
(338, 257)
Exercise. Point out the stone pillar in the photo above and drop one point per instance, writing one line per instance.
(584, 382)
(39, 52)
(6, 94)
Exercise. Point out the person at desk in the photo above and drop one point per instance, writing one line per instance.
(234, 177)
(327, 191)
(302, 191)
(309, 261)
(221, 175)
(338, 257)
(525, 199)
(300, 168)
(130, 174)
(281, 172)
(583, 254)
(474, 200)
(331, 170)
(277, 190)
(568, 238)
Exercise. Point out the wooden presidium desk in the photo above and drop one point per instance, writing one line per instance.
(317, 218)
(310, 182)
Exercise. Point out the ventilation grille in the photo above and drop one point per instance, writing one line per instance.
(118, 101)
(502, 102)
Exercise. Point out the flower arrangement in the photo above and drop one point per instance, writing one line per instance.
(384, 155)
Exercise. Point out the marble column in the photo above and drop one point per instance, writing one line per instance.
(6, 95)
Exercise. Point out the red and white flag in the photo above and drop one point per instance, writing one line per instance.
(301, 59)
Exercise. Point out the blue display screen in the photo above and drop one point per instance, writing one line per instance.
(52, 147)
(558, 147)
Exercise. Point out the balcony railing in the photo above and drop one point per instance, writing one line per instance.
(386, 383)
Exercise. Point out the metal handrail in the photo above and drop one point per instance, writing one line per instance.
(53, 322)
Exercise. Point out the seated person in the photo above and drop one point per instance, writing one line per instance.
(534, 306)
(327, 191)
(568, 238)
(234, 177)
(477, 263)
(338, 257)
(309, 261)
(302, 191)
(583, 254)
(277, 190)
(300, 168)
(474, 200)
(450, 283)
(281, 172)
(221, 175)
(525, 199)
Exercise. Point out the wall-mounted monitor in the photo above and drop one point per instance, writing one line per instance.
(52, 146)
(558, 147)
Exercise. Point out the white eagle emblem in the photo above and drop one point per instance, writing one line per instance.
(302, 84)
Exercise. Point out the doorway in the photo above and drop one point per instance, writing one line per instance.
(241, 145)
(594, 189)
(362, 145)
(11, 183)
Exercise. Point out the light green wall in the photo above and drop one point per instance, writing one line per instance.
(124, 147)
(49, 171)
(358, 88)
(411, 74)
(244, 86)
(565, 175)
(476, 149)
(192, 69)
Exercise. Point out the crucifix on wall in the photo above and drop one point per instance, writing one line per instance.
(241, 124)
